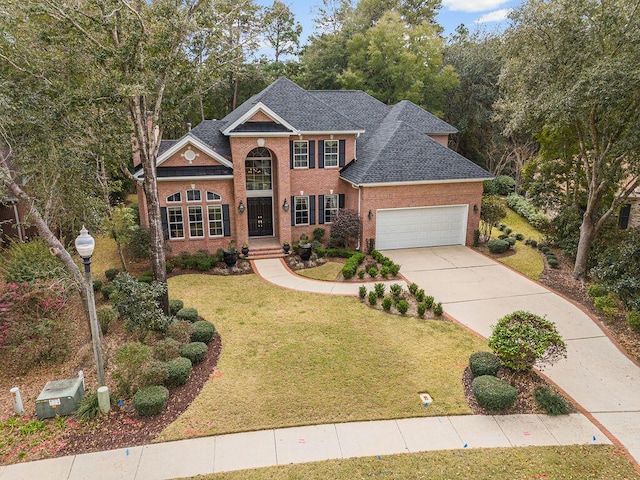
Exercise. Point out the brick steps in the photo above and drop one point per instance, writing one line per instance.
(263, 253)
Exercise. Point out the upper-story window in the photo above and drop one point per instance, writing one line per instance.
(300, 154)
(258, 170)
(331, 153)
(176, 197)
(213, 197)
(193, 196)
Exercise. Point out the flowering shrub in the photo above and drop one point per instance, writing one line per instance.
(31, 322)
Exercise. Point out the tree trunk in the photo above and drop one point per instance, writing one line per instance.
(587, 232)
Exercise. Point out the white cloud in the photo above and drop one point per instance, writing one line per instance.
(472, 5)
(496, 16)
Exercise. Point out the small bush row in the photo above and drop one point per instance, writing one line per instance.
(397, 297)
(352, 264)
(522, 207)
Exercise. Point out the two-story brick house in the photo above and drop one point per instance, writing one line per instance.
(287, 159)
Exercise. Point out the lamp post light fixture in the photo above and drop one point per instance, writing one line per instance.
(84, 246)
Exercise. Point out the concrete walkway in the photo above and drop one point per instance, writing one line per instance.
(284, 446)
(477, 291)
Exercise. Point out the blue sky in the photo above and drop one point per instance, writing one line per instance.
(486, 15)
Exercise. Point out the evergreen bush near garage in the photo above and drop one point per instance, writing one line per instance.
(373, 298)
(633, 320)
(373, 272)
(437, 309)
(189, 314)
(378, 288)
(402, 306)
(484, 363)
(352, 264)
(384, 271)
(493, 393)
(413, 288)
(428, 302)
(497, 246)
(394, 269)
(151, 400)
(551, 403)
(361, 274)
(175, 306)
(420, 296)
(166, 349)
(387, 303)
(178, 371)
(421, 309)
(362, 291)
(194, 351)
(202, 331)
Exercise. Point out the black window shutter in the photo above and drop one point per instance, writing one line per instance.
(623, 219)
(341, 147)
(321, 209)
(312, 209)
(226, 221)
(165, 223)
(321, 155)
(341, 200)
(293, 211)
(291, 154)
(312, 154)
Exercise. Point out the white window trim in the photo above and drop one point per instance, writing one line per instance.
(215, 200)
(174, 201)
(337, 154)
(295, 213)
(195, 222)
(193, 190)
(294, 155)
(335, 210)
(209, 222)
(170, 223)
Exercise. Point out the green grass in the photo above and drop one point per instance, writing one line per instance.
(328, 272)
(293, 358)
(573, 462)
(105, 256)
(527, 260)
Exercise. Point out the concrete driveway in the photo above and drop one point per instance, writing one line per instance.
(477, 291)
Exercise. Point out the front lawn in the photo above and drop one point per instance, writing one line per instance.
(292, 358)
(581, 462)
(329, 271)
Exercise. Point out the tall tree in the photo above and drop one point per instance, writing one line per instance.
(281, 30)
(573, 65)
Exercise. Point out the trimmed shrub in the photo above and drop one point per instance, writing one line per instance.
(606, 305)
(373, 298)
(106, 315)
(166, 349)
(596, 290)
(553, 262)
(519, 236)
(352, 264)
(111, 274)
(394, 269)
(151, 400)
(511, 241)
(155, 373)
(180, 330)
(396, 291)
(493, 393)
(97, 285)
(501, 227)
(508, 231)
(107, 290)
(533, 243)
(188, 314)
(437, 309)
(551, 403)
(402, 306)
(484, 363)
(428, 302)
(334, 252)
(379, 289)
(361, 274)
(202, 331)
(497, 246)
(362, 291)
(503, 236)
(175, 306)
(420, 296)
(633, 320)
(421, 309)
(387, 302)
(194, 351)
(373, 272)
(384, 271)
(178, 371)
(413, 288)
(525, 209)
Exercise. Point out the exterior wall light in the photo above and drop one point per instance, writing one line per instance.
(475, 208)
(285, 205)
(370, 215)
(241, 207)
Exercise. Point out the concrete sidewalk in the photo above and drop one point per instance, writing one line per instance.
(274, 271)
(284, 446)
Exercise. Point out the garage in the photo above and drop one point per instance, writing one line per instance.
(421, 227)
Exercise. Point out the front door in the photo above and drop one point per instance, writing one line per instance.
(260, 216)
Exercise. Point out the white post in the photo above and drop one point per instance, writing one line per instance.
(81, 377)
(103, 399)
(17, 400)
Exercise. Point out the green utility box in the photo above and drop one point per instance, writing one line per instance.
(60, 397)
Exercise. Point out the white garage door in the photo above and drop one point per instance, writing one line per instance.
(421, 227)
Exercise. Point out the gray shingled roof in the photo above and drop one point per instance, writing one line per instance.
(209, 132)
(420, 119)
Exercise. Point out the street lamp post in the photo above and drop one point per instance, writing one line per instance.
(84, 246)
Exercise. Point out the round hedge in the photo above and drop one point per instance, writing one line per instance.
(493, 393)
(166, 349)
(155, 373)
(175, 306)
(484, 363)
(194, 351)
(188, 314)
(178, 371)
(202, 331)
(497, 246)
(150, 400)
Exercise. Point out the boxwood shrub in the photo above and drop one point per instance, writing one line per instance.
(166, 349)
(188, 314)
(352, 264)
(194, 351)
(178, 371)
(151, 400)
(633, 320)
(484, 363)
(493, 393)
(596, 290)
(180, 330)
(202, 331)
(402, 306)
(437, 309)
(606, 305)
(175, 306)
(511, 241)
(497, 246)
(362, 291)
(154, 373)
(387, 302)
(373, 298)
(421, 308)
(520, 236)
